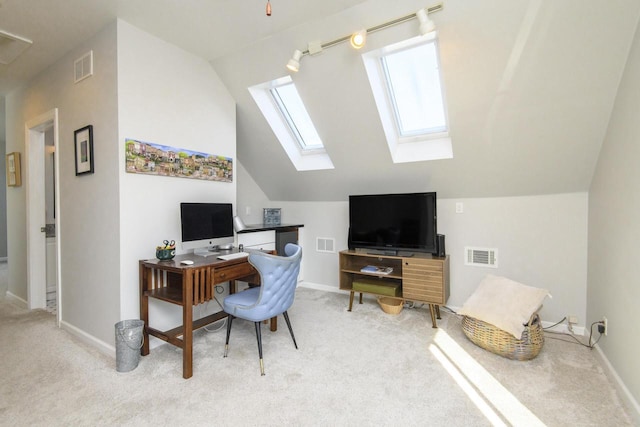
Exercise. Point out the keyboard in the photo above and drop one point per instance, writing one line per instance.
(233, 256)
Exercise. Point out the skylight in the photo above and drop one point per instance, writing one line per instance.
(406, 82)
(293, 110)
(413, 81)
(284, 110)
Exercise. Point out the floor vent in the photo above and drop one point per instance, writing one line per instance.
(83, 66)
(481, 257)
(325, 244)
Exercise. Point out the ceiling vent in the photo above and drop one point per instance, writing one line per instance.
(481, 257)
(83, 66)
(12, 46)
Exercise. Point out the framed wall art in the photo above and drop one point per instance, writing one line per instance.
(163, 160)
(14, 179)
(271, 216)
(83, 140)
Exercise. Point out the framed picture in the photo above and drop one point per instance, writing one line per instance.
(83, 139)
(13, 170)
(271, 216)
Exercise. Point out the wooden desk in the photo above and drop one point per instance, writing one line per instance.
(188, 285)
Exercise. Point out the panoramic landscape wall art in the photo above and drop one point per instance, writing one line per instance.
(162, 160)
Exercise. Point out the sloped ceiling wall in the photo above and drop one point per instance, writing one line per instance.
(530, 87)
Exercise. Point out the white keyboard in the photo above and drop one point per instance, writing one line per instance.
(233, 256)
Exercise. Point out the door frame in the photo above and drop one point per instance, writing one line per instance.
(35, 195)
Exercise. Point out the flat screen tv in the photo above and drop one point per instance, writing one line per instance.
(206, 226)
(393, 223)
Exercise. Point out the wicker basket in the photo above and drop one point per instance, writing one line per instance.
(391, 305)
(502, 343)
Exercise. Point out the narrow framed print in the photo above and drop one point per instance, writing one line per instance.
(83, 139)
(14, 178)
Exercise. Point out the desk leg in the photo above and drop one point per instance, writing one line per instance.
(187, 324)
(274, 324)
(144, 308)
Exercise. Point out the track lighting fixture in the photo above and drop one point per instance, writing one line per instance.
(268, 7)
(294, 62)
(426, 24)
(358, 39)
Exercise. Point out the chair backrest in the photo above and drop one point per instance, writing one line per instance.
(278, 278)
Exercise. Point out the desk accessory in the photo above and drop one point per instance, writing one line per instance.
(167, 251)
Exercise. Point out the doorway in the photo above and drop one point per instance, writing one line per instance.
(37, 132)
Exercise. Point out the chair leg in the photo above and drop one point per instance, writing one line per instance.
(286, 318)
(226, 344)
(259, 337)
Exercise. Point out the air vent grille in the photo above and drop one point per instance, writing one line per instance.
(83, 66)
(481, 257)
(325, 244)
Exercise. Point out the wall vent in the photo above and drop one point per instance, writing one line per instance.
(481, 257)
(83, 66)
(325, 244)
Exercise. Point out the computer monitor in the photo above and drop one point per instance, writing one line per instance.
(206, 226)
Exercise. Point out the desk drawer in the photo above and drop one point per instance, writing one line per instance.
(233, 272)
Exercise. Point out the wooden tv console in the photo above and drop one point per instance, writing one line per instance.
(420, 277)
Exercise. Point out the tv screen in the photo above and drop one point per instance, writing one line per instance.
(393, 222)
(206, 224)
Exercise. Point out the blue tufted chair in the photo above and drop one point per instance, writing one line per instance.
(278, 278)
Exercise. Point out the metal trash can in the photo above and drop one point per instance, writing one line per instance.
(129, 340)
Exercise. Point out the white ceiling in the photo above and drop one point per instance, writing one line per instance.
(530, 83)
(208, 28)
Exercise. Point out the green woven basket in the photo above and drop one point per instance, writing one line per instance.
(502, 343)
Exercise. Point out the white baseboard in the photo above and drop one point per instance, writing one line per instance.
(17, 300)
(564, 328)
(101, 346)
(627, 398)
(320, 287)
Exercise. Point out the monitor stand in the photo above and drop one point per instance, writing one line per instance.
(205, 252)
(390, 253)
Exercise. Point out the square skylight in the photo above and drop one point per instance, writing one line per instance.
(406, 82)
(284, 110)
(413, 80)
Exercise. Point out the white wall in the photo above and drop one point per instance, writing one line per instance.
(541, 241)
(142, 88)
(614, 227)
(169, 97)
(88, 208)
(3, 184)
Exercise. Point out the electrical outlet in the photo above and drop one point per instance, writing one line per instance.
(605, 322)
(573, 319)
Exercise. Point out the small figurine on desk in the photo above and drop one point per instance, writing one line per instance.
(167, 251)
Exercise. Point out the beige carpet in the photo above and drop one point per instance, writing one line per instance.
(360, 368)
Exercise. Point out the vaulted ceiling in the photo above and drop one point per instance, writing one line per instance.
(530, 84)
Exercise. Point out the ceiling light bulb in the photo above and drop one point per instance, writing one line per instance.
(358, 39)
(294, 63)
(268, 8)
(426, 24)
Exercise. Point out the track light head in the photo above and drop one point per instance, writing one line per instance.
(358, 39)
(426, 24)
(294, 62)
